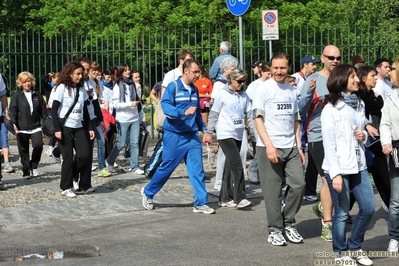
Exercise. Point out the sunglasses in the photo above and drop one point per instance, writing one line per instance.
(332, 58)
(241, 81)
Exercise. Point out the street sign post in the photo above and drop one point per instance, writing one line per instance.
(270, 27)
(238, 8)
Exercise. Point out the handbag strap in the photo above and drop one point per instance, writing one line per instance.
(73, 105)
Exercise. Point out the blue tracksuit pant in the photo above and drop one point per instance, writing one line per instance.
(177, 147)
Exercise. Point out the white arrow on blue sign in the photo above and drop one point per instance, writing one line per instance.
(238, 7)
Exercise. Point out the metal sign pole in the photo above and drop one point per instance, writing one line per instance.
(240, 41)
(270, 49)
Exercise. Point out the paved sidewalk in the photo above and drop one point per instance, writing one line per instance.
(113, 221)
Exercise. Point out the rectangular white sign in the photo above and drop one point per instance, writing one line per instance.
(270, 25)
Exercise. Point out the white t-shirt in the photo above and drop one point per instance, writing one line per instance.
(217, 87)
(125, 112)
(381, 87)
(252, 88)
(61, 94)
(299, 80)
(90, 108)
(232, 108)
(278, 104)
(28, 95)
(171, 76)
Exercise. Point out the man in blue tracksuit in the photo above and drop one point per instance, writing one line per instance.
(181, 139)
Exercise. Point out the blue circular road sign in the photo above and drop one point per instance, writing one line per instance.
(238, 7)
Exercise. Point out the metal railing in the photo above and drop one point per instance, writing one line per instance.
(149, 51)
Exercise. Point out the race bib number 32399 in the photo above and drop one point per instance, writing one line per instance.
(283, 108)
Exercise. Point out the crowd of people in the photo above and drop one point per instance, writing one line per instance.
(344, 117)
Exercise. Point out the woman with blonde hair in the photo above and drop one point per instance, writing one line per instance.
(229, 111)
(27, 108)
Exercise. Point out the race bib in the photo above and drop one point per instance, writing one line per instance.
(238, 123)
(76, 111)
(283, 108)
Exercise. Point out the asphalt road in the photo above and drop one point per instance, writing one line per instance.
(114, 223)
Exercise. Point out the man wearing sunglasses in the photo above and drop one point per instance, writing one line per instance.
(311, 103)
(181, 106)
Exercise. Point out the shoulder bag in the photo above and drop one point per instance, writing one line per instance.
(48, 124)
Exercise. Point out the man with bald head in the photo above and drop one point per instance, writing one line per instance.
(311, 102)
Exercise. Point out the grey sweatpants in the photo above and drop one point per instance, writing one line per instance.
(271, 178)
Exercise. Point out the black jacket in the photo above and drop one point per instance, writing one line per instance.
(373, 105)
(46, 87)
(20, 110)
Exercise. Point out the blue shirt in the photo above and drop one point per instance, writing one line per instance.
(215, 72)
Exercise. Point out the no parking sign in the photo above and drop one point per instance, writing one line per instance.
(270, 25)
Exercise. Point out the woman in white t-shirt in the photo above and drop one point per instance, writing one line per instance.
(129, 116)
(70, 131)
(27, 108)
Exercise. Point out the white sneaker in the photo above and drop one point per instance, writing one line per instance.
(68, 193)
(292, 234)
(7, 168)
(203, 209)
(393, 245)
(362, 258)
(127, 169)
(75, 185)
(147, 203)
(310, 198)
(110, 168)
(243, 204)
(138, 172)
(94, 168)
(276, 238)
(35, 172)
(228, 204)
(26, 177)
(49, 151)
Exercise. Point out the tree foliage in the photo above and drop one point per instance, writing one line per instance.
(105, 16)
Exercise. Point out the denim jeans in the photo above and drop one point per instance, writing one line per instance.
(100, 147)
(127, 131)
(393, 215)
(360, 185)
